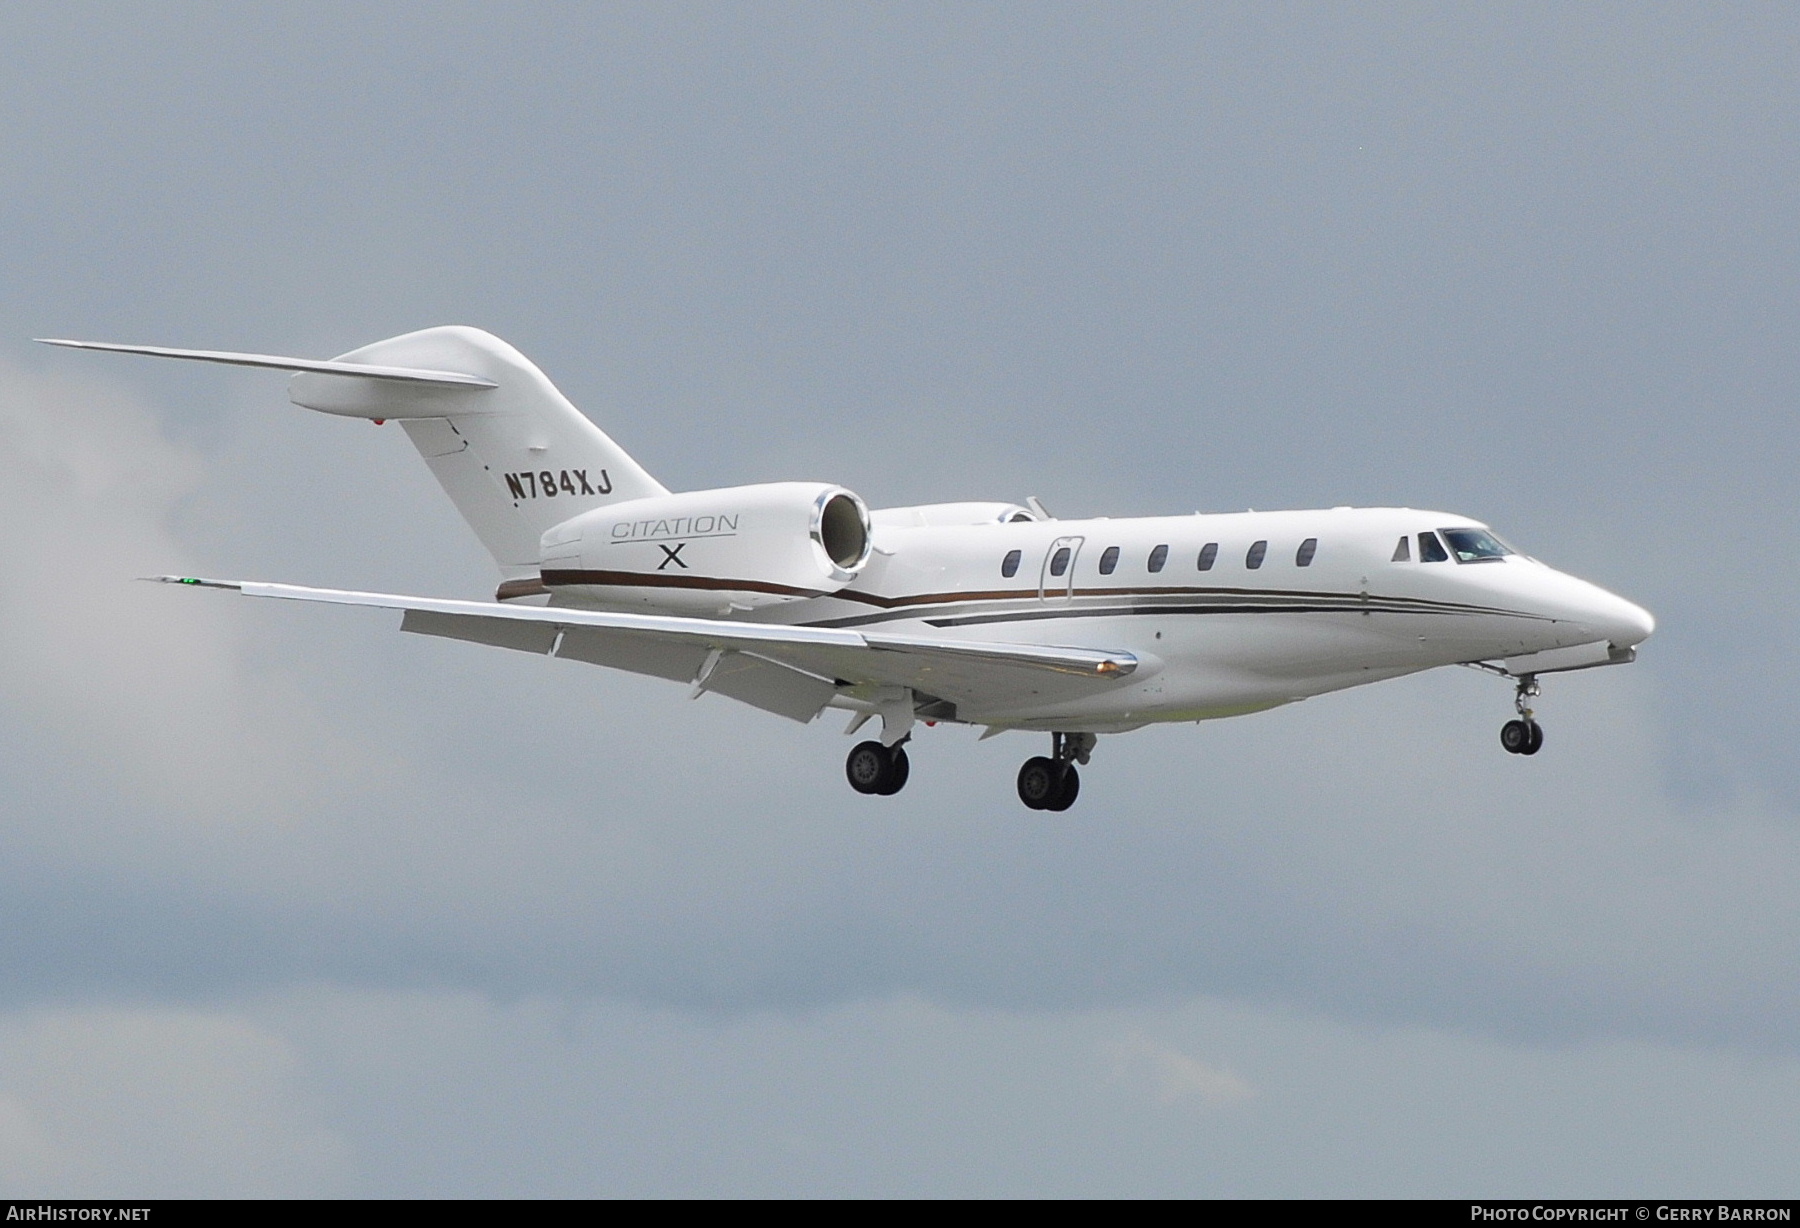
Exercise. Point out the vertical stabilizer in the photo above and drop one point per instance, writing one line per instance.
(515, 458)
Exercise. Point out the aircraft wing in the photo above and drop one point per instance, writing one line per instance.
(792, 671)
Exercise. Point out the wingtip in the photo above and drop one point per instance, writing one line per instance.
(195, 582)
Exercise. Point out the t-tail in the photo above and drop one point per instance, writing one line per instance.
(509, 449)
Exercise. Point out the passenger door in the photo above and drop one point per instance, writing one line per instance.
(1056, 577)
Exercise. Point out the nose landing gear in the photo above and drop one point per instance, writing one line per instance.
(1523, 736)
(1053, 783)
(874, 768)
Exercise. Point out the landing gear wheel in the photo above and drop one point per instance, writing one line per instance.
(1521, 737)
(1045, 784)
(873, 768)
(1068, 790)
(1040, 782)
(1053, 783)
(899, 768)
(1515, 736)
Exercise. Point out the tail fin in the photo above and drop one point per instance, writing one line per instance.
(516, 458)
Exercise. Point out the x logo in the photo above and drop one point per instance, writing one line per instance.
(672, 556)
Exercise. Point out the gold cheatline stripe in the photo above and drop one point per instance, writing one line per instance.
(1227, 600)
(633, 579)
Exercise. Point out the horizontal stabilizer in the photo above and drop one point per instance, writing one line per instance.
(275, 362)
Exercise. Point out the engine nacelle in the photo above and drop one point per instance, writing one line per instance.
(707, 551)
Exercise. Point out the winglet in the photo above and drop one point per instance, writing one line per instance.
(277, 362)
(197, 582)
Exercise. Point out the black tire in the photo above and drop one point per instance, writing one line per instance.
(1515, 736)
(1038, 782)
(868, 767)
(1068, 788)
(1537, 739)
(899, 768)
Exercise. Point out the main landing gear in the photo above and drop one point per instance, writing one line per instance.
(1045, 783)
(1523, 736)
(878, 769)
(1053, 783)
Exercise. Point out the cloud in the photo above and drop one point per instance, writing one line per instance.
(147, 694)
(156, 1103)
(457, 1094)
(1174, 1076)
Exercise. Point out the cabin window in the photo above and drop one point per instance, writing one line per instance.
(1158, 557)
(1059, 562)
(1475, 545)
(1431, 550)
(1209, 554)
(1009, 566)
(1109, 560)
(1253, 558)
(1403, 551)
(1303, 557)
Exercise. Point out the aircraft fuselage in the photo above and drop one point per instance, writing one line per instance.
(1289, 604)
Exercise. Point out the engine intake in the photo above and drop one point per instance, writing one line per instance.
(841, 527)
(707, 551)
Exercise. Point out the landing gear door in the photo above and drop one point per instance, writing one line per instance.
(1056, 579)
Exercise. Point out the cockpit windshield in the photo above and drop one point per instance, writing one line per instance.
(1475, 545)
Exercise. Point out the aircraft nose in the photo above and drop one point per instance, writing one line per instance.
(1622, 622)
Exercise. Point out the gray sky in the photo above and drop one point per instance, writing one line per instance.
(290, 903)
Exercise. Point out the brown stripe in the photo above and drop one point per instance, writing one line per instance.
(636, 579)
(1357, 600)
(512, 590)
(1349, 600)
(1063, 611)
(1061, 594)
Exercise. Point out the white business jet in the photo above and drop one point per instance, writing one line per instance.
(795, 597)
